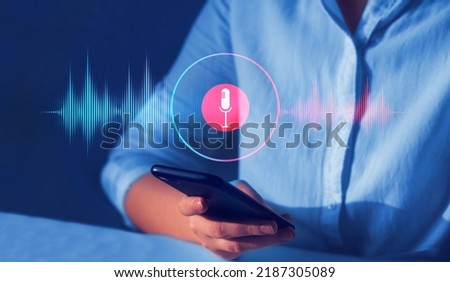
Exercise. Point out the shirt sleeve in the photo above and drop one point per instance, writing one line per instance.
(135, 157)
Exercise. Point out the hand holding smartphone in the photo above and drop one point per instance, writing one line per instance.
(225, 202)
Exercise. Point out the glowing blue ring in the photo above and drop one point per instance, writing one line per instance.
(277, 96)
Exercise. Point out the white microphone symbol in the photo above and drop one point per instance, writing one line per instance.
(225, 105)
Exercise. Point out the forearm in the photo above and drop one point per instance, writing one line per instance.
(153, 206)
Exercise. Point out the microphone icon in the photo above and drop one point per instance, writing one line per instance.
(225, 104)
(233, 106)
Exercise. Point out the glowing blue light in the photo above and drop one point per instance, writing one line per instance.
(85, 111)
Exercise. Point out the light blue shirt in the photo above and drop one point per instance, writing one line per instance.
(388, 191)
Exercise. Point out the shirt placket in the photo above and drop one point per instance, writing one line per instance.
(352, 79)
(335, 155)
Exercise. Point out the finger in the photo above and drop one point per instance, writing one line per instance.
(239, 245)
(247, 189)
(189, 206)
(224, 230)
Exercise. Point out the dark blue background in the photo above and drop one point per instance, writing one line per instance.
(42, 173)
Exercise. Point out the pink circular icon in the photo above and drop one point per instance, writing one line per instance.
(225, 107)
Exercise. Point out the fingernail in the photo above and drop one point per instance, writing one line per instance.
(199, 204)
(268, 228)
(287, 235)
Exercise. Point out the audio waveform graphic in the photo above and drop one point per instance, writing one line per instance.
(88, 109)
(368, 111)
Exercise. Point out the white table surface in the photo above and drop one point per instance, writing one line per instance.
(27, 238)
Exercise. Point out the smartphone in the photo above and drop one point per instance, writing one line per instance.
(225, 202)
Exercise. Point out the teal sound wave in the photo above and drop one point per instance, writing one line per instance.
(86, 110)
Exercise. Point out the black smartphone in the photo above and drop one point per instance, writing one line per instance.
(225, 202)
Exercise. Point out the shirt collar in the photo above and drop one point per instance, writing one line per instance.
(376, 14)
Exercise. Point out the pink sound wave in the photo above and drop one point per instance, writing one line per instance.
(368, 111)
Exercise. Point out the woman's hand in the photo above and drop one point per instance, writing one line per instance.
(230, 240)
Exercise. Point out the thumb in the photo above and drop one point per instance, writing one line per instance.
(189, 206)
